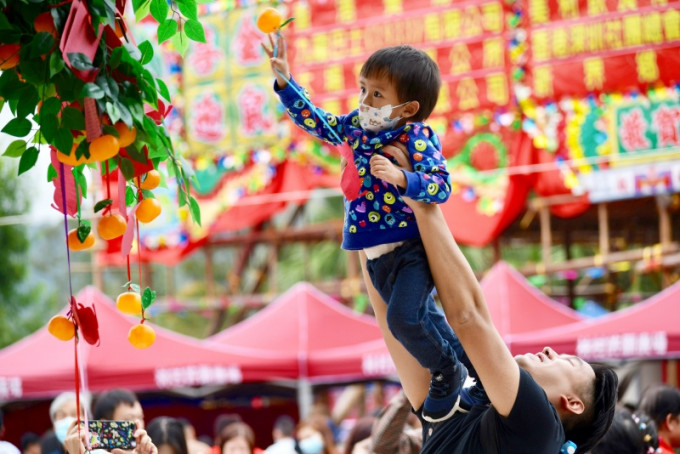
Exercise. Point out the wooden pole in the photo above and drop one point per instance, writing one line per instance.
(665, 233)
(546, 243)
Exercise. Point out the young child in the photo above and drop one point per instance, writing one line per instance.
(399, 87)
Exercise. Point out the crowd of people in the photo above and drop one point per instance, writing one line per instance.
(652, 427)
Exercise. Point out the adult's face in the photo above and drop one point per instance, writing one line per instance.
(126, 412)
(558, 375)
(237, 445)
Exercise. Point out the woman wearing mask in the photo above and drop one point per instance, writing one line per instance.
(315, 437)
(64, 411)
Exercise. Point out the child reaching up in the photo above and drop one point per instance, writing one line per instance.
(399, 87)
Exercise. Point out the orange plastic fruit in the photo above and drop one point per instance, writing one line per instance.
(111, 226)
(126, 135)
(148, 210)
(152, 180)
(269, 20)
(104, 148)
(61, 327)
(70, 159)
(129, 303)
(74, 243)
(44, 23)
(141, 336)
(9, 56)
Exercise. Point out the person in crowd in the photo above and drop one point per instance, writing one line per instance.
(63, 412)
(5, 446)
(238, 438)
(221, 423)
(119, 405)
(399, 88)
(194, 445)
(315, 436)
(283, 434)
(168, 435)
(76, 441)
(30, 443)
(540, 403)
(662, 404)
(394, 432)
(630, 433)
(359, 437)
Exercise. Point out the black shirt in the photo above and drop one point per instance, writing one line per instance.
(532, 427)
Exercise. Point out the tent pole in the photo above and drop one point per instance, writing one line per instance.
(665, 235)
(546, 242)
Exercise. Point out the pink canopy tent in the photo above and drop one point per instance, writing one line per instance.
(650, 329)
(517, 307)
(330, 341)
(42, 366)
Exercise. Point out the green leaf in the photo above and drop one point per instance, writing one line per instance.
(83, 231)
(51, 173)
(63, 140)
(188, 9)
(125, 114)
(72, 118)
(35, 70)
(102, 204)
(286, 22)
(51, 106)
(135, 153)
(180, 42)
(147, 52)
(9, 84)
(194, 30)
(130, 196)
(92, 90)
(166, 30)
(56, 63)
(195, 210)
(133, 56)
(163, 89)
(148, 297)
(109, 86)
(49, 124)
(28, 159)
(83, 150)
(113, 111)
(143, 10)
(28, 101)
(80, 61)
(17, 127)
(80, 179)
(132, 287)
(41, 44)
(127, 168)
(159, 10)
(15, 149)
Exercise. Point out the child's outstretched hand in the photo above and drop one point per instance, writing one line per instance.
(382, 167)
(279, 62)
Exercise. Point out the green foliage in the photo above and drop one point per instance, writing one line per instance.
(53, 89)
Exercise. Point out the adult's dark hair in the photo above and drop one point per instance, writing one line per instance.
(107, 402)
(221, 422)
(659, 401)
(360, 431)
(285, 425)
(27, 439)
(629, 434)
(600, 400)
(168, 431)
(413, 73)
(235, 430)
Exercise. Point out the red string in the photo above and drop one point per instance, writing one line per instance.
(139, 241)
(128, 273)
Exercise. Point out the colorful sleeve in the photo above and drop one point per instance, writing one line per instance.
(309, 117)
(429, 181)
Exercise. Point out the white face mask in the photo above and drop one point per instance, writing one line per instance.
(376, 119)
(61, 428)
(312, 445)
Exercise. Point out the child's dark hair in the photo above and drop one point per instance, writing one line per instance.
(413, 73)
(630, 433)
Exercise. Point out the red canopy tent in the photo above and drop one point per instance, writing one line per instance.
(42, 366)
(650, 329)
(330, 341)
(517, 307)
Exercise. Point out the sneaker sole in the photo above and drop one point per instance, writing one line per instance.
(456, 408)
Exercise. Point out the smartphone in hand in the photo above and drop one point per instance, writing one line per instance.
(108, 435)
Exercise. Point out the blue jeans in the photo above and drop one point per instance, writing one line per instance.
(403, 279)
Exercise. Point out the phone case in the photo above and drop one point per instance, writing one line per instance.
(112, 434)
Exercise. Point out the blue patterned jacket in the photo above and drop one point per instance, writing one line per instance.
(379, 215)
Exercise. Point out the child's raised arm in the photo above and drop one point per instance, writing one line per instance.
(279, 62)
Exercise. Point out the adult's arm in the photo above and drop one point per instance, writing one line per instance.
(414, 378)
(464, 306)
